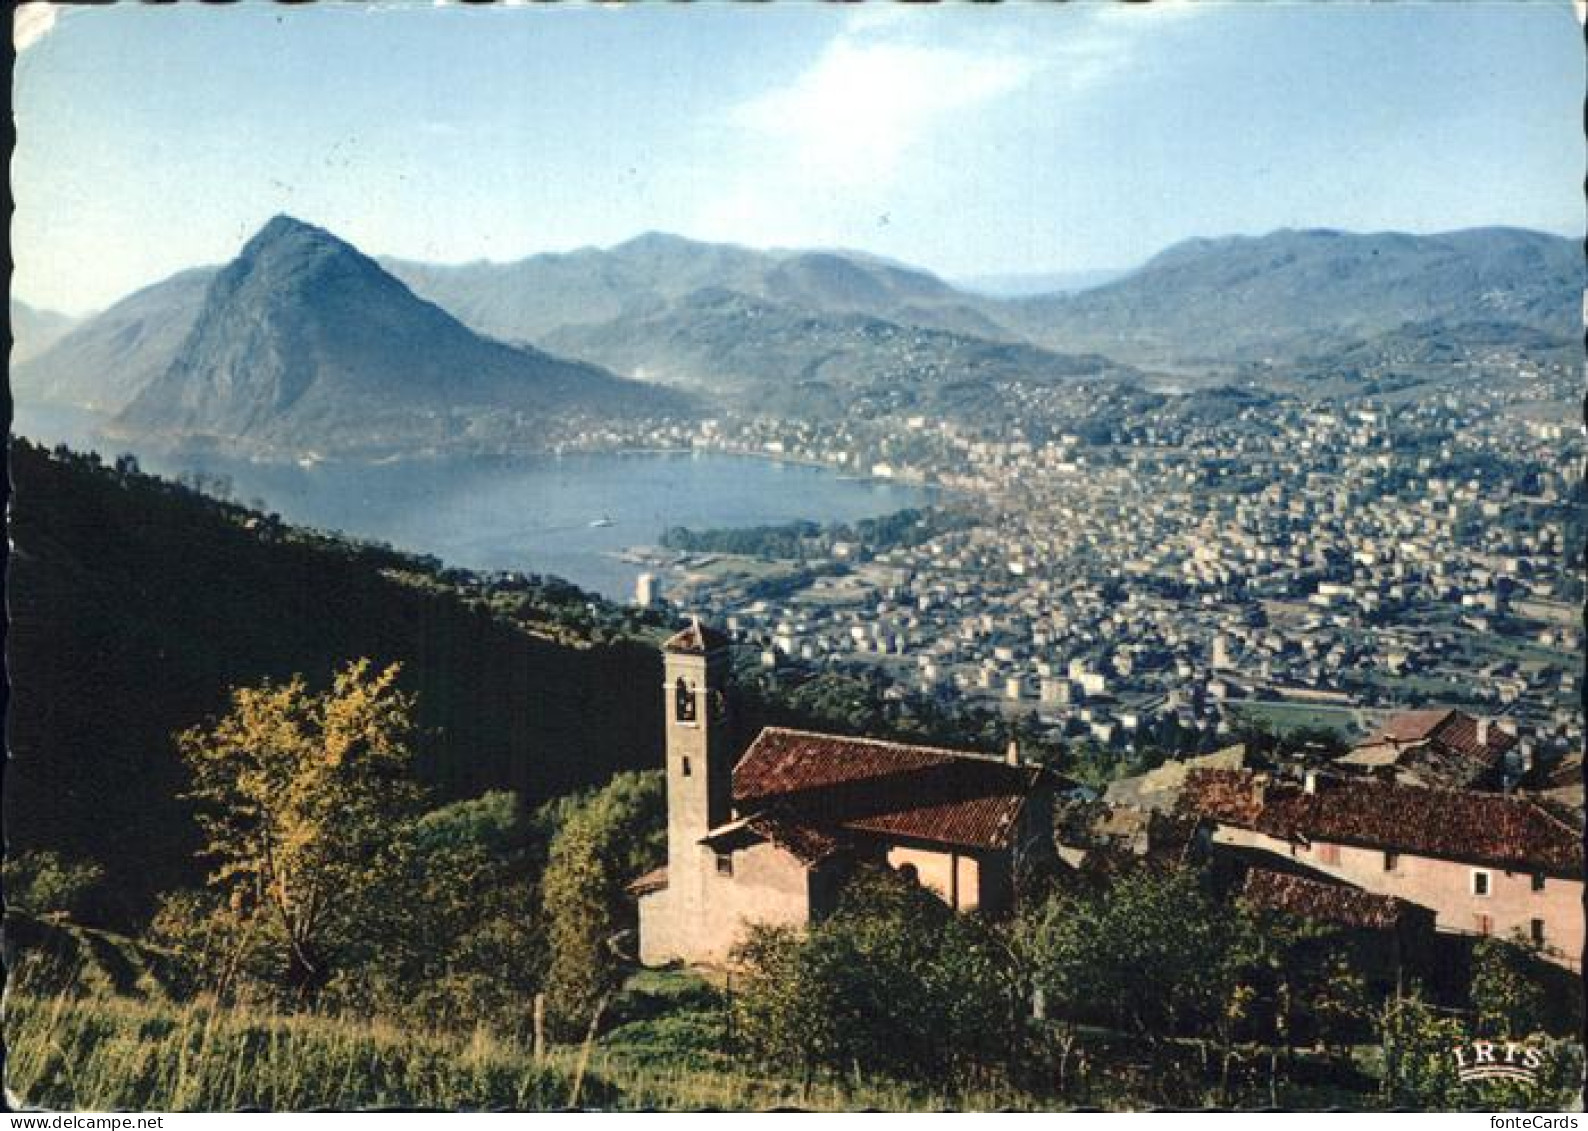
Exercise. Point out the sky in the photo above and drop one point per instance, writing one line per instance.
(994, 139)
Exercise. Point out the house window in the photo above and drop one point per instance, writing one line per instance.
(1480, 883)
(1538, 881)
(1328, 854)
(1537, 932)
(724, 863)
(1485, 924)
(686, 767)
(1392, 860)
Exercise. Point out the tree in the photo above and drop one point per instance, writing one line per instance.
(455, 936)
(1506, 997)
(1418, 1044)
(1153, 954)
(299, 794)
(601, 842)
(881, 985)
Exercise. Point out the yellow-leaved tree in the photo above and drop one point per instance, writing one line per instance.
(299, 793)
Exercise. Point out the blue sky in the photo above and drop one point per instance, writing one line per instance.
(1016, 138)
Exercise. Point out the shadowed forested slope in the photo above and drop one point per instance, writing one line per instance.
(136, 604)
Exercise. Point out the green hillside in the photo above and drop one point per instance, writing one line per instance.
(136, 603)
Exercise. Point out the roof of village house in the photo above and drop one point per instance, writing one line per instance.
(827, 782)
(1448, 823)
(1321, 901)
(1415, 726)
(1434, 747)
(696, 640)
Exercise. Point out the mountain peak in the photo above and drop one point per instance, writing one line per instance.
(658, 243)
(282, 226)
(283, 231)
(303, 340)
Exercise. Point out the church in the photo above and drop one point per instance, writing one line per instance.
(772, 834)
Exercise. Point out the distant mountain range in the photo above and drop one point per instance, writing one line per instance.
(105, 361)
(305, 341)
(33, 330)
(528, 299)
(1039, 283)
(1297, 292)
(775, 357)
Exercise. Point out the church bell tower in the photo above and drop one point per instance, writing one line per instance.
(699, 770)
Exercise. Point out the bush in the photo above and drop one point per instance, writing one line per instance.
(47, 883)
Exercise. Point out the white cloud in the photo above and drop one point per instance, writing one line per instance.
(852, 115)
(30, 23)
(900, 80)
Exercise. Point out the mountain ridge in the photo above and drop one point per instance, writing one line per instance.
(1273, 299)
(1294, 291)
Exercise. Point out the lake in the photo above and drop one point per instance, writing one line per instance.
(533, 515)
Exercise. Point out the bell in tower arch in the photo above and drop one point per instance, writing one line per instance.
(684, 700)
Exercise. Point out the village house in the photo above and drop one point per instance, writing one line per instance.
(1440, 747)
(1483, 863)
(771, 837)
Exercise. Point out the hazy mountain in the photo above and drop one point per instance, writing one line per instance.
(1039, 283)
(1421, 351)
(105, 361)
(34, 330)
(303, 342)
(775, 357)
(530, 298)
(1293, 292)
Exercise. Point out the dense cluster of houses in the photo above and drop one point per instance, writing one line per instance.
(1432, 825)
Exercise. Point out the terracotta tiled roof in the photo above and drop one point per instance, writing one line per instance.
(888, 788)
(1449, 823)
(1320, 901)
(808, 843)
(696, 640)
(1414, 726)
(654, 880)
(1438, 747)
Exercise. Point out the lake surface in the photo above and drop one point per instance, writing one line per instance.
(532, 515)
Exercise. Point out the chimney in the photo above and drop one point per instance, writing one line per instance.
(1483, 731)
(1012, 755)
(1310, 783)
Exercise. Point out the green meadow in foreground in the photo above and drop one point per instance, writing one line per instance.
(105, 1053)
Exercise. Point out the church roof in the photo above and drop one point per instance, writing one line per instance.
(696, 640)
(809, 844)
(826, 783)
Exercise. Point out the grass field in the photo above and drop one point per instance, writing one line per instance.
(1286, 717)
(115, 1053)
